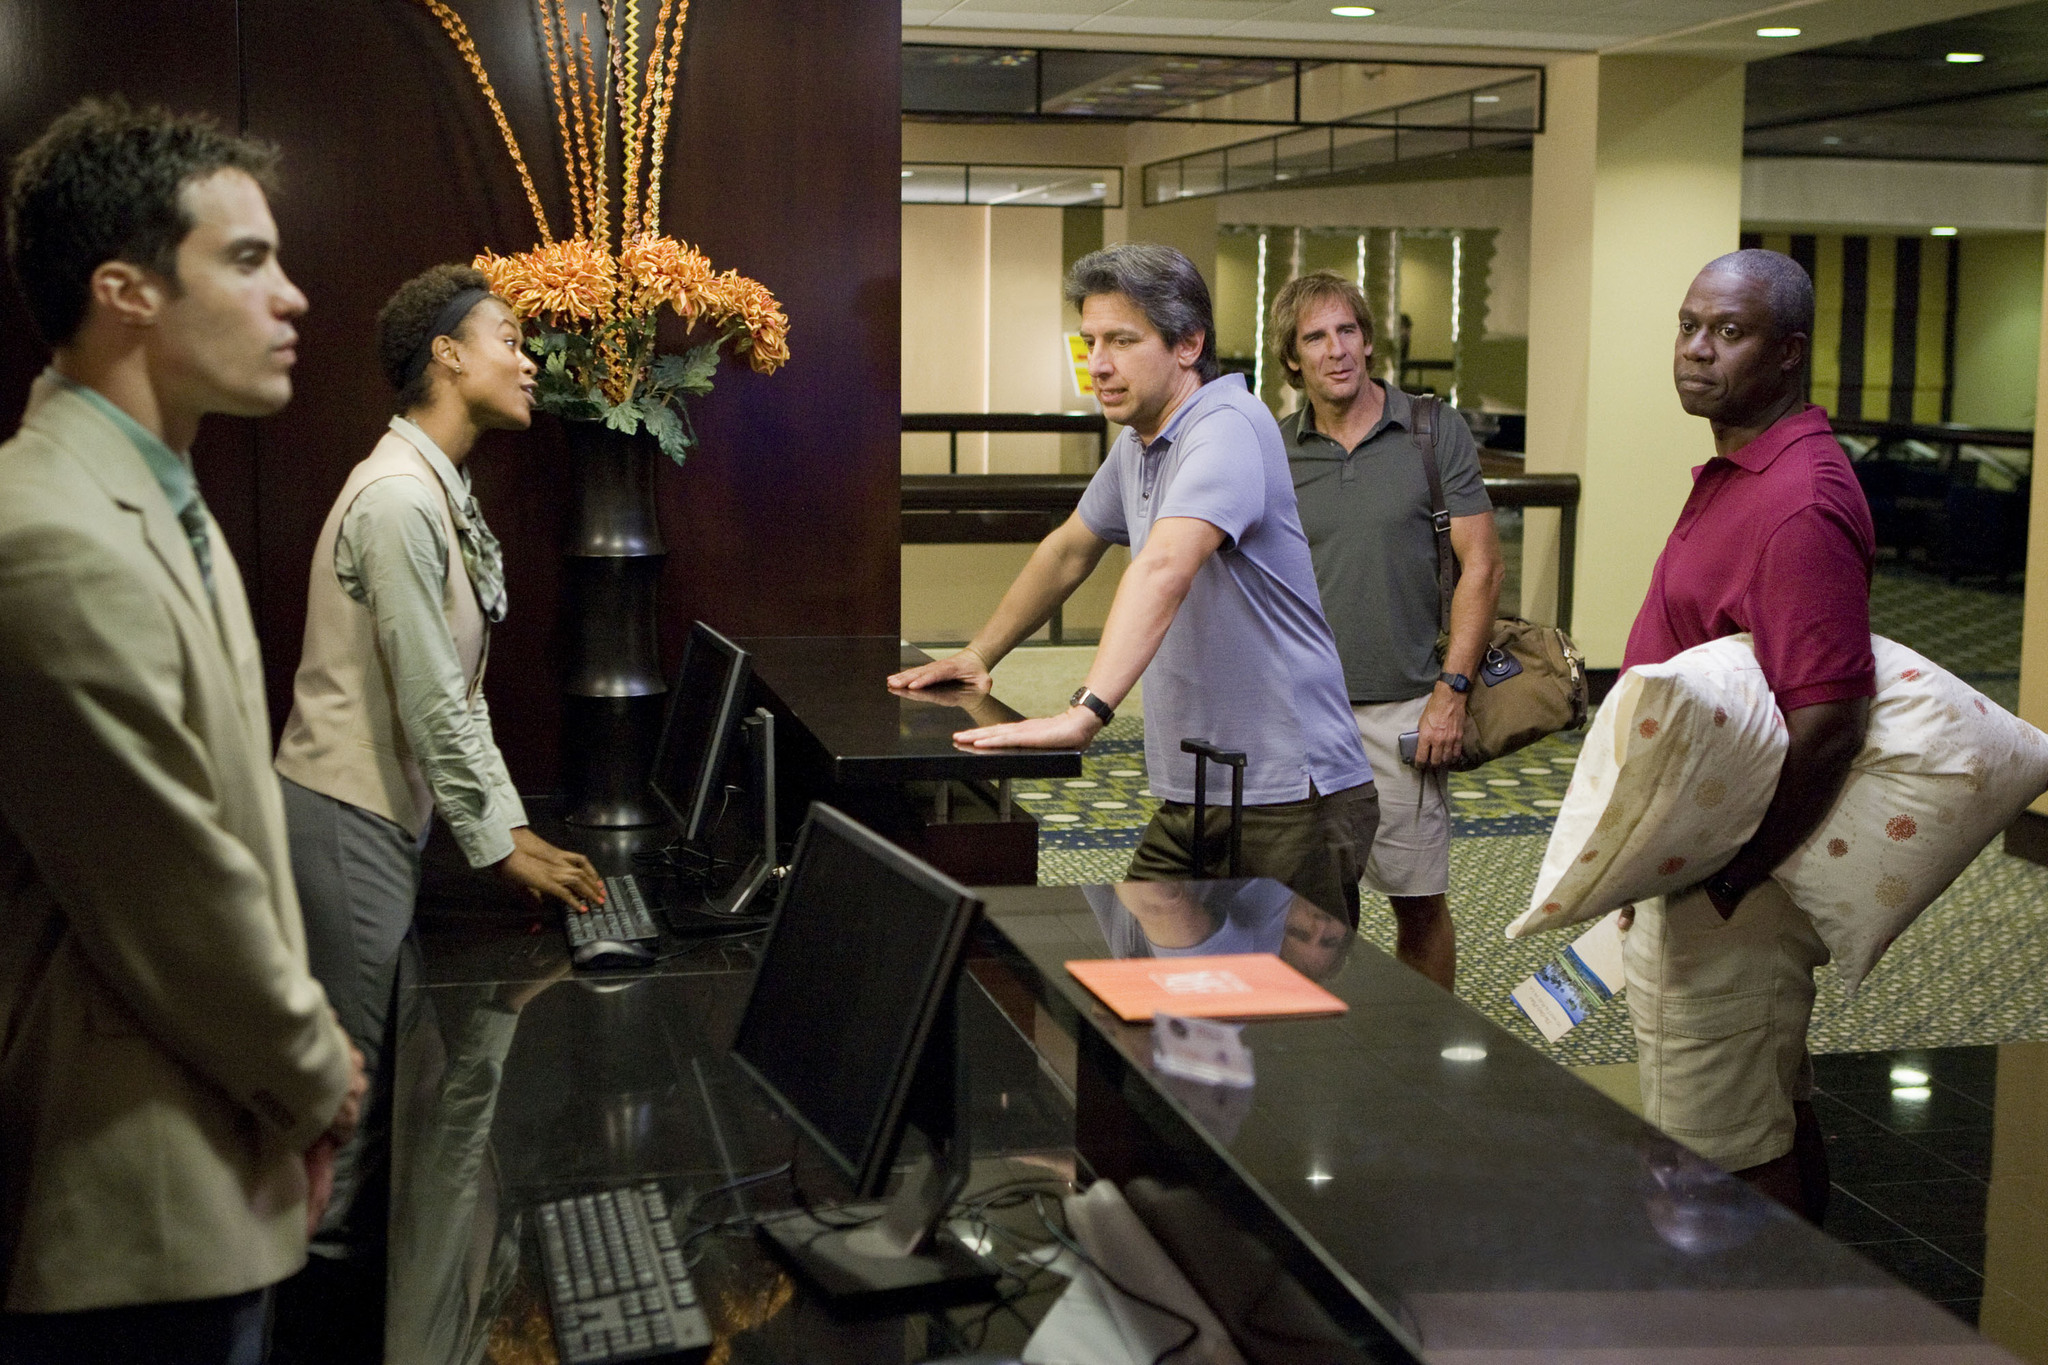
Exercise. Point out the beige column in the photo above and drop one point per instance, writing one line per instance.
(2034, 621)
(1637, 184)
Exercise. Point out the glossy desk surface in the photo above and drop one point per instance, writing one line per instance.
(518, 1081)
(1475, 1198)
(835, 688)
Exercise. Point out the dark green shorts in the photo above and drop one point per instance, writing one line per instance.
(1315, 847)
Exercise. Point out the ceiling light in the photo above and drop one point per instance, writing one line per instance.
(1934, 232)
(1965, 58)
(1146, 85)
(1486, 99)
(1353, 11)
(1463, 1052)
(1831, 141)
(1906, 1075)
(908, 174)
(1777, 33)
(1319, 1177)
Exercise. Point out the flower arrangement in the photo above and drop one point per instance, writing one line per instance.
(592, 298)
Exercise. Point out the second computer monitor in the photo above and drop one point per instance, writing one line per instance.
(703, 712)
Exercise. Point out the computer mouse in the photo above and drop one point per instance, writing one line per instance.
(603, 953)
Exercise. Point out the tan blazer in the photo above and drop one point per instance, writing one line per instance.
(165, 1056)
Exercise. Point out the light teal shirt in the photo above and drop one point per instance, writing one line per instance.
(172, 471)
(391, 556)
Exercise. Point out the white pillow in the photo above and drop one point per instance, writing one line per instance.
(1942, 771)
(1677, 769)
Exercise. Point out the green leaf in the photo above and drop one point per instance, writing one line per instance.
(668, 430)
(687, 373)
(624, 417)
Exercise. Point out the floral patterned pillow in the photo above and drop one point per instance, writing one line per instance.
(1942, 771)
(1678, 767)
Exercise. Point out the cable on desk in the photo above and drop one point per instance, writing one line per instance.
(1074, 1249)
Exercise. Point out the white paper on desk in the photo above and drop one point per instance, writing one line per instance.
(1576, 982)
(1115, 1239)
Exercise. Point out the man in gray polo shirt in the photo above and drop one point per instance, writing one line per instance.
(1365, 505)
(1218, 609)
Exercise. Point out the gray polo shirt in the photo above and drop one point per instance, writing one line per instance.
(1366, 514)
(1248, 663)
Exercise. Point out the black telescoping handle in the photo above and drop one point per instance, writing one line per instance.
(1204, 751)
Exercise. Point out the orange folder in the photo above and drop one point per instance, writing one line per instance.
(1229, 986)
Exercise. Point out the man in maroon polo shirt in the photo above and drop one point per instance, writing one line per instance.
(1776, 540)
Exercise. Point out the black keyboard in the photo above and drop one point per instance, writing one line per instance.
(623, 917)
(616, 1279)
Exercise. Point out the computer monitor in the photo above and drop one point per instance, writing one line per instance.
(703, 713)
(851, 1029)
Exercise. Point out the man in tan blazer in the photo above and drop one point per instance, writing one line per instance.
(172, 1080)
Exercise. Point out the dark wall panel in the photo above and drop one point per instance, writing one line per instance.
(781, 164)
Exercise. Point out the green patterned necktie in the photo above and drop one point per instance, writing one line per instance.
(482, 557)
(192, 516)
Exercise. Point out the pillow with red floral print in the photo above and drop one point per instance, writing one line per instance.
(1677, 769)
(1943, 770)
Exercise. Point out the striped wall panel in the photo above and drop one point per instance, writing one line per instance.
(1884, 321)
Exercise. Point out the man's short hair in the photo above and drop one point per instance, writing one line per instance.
(406, 317)
(1788, 289)
(1296, 298)
(1164, 284)
(103, 184)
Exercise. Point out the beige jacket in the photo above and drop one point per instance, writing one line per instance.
(165, 1056)
(344, 736)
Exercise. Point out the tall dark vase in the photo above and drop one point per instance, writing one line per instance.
(614, 696)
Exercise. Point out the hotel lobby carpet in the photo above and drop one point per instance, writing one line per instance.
(1969, 972)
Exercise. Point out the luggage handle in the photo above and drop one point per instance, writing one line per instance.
(1233, 759)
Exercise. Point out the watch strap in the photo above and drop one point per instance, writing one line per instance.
(1102, 709)
(1457, 682)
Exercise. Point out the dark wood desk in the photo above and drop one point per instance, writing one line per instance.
(1439, 1188)
(843, 737)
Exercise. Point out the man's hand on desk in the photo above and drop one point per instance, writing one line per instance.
(542, 871)
(1073, 728)
(965, 667)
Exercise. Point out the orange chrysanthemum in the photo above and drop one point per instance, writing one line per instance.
(561, 282)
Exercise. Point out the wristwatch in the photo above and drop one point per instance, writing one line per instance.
(1457, 682)
(1102, 709)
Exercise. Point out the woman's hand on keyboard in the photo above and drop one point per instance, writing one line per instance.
(545, 872)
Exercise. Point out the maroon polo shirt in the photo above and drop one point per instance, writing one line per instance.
(1776, 540)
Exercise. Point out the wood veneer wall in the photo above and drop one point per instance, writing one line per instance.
(781, 164)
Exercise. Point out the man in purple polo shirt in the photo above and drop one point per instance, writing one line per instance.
(1776, 540)
(1218, 609)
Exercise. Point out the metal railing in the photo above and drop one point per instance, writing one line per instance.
(1013, 509)
(953, 423)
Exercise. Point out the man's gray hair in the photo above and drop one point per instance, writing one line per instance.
(1788, 290)
(1164, 285)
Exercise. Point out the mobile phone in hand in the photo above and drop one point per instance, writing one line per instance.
(1408, 743)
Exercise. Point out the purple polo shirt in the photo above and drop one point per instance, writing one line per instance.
(1249, 662)
(1776, 540)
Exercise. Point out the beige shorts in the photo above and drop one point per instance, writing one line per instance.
(1411, 854)
(1721, 1009)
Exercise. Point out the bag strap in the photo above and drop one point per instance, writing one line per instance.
(1426, 411)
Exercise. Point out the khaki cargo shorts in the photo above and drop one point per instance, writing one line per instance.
(1721, 1009)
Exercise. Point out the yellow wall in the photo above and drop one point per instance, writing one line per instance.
(1637, 183)
(1426, 299)
(2034, 628)
(1998, 329)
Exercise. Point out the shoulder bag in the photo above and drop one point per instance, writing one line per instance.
(1532, 680)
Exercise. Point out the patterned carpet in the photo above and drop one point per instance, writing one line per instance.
(1969, 972)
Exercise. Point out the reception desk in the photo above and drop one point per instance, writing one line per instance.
(888, 758)
(1404, 1182)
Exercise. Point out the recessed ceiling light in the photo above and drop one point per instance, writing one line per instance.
(1965, 58)
(1777, 33)
(1941, 232)
(908, 174)
(1486, 99)
(1353, 11)
(1146, 85)
(1831, 141)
